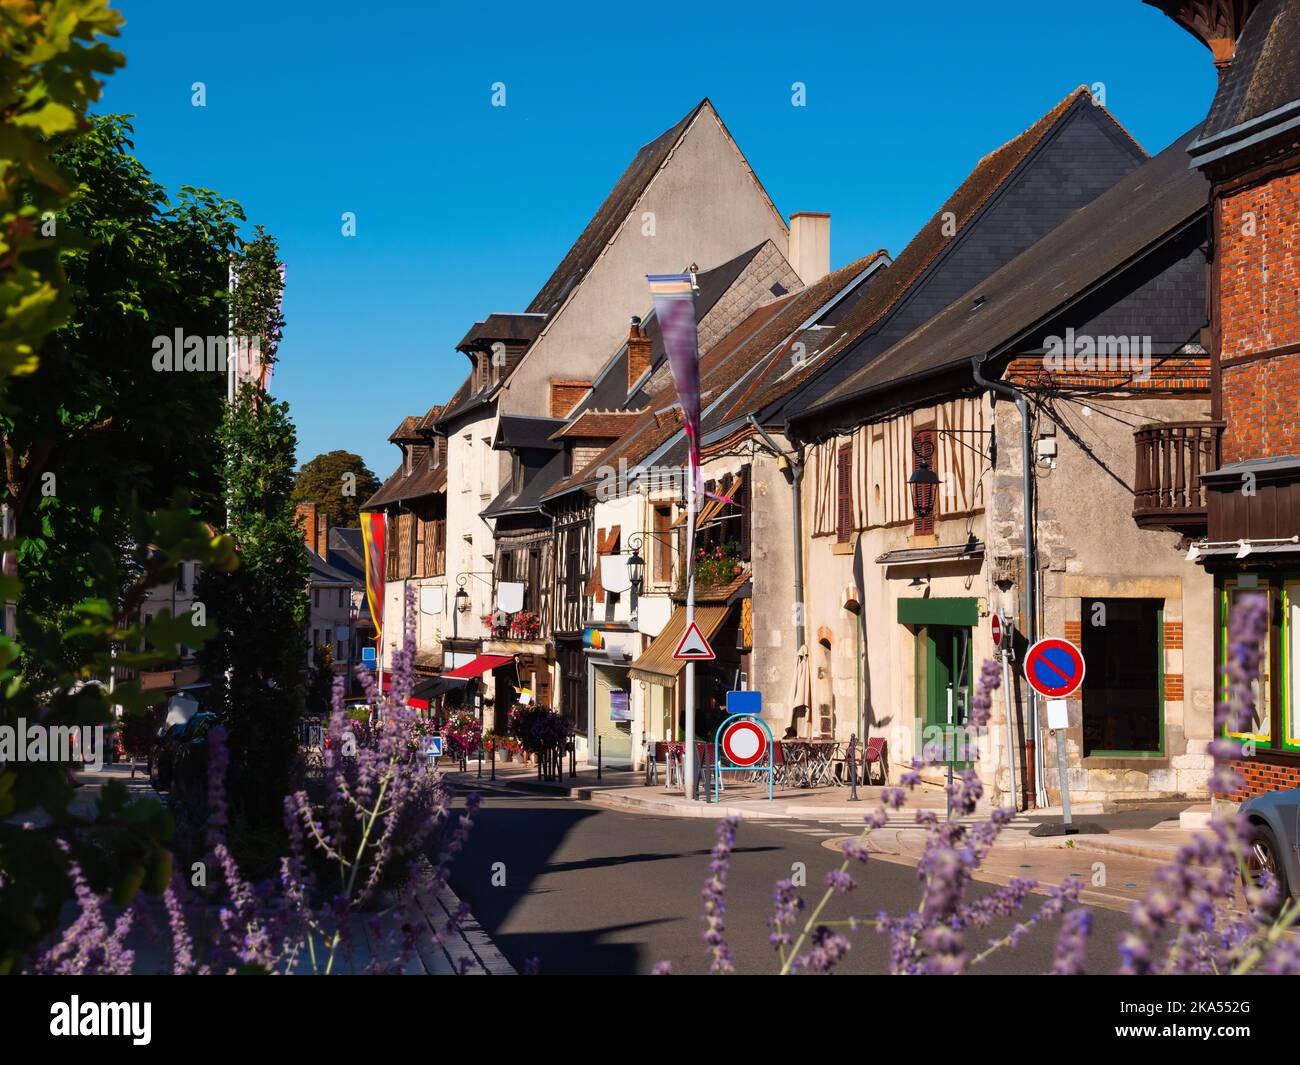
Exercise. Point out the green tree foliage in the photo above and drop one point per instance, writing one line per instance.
(116, 435)
(338, 482)
(48, 62)
(256, 662)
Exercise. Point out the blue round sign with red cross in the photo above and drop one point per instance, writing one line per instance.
(1054, 667)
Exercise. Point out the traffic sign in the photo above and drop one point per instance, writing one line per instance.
(1054, 667)
(744, 702)
(995, 623)
(693, 646)
(433, 746)
(744, 742)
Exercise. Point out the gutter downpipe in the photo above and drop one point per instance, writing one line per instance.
(1031, 569)
(796, 486)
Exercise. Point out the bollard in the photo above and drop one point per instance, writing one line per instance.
(494, 760)
(600, 757)
(853, 768)
(573, 758)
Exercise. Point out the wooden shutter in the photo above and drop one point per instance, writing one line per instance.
(844, 493)
(662, 545)
(925, 498)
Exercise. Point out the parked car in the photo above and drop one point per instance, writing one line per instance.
(184, 729)
(1275, 838)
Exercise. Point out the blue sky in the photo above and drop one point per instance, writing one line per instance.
(463, 208)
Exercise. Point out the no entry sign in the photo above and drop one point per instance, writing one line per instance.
(995, 623)
(744, 743)
(1054, 667)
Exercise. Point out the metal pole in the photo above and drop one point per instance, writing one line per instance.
(853, 769)
(1031, 562)
(494, 760)
(948, 753)
(688, 754)
(600, 757)
(1059, 735)
(1006, 702)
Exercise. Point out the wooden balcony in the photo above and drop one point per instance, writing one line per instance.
(1167, 488)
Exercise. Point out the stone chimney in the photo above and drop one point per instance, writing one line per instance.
(315, 527)
(810, 245)
(638, 354)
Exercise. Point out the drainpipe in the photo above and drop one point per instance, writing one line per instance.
(796, 485)
(1031, 568)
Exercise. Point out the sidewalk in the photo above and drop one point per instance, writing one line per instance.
(627, 790)
(1116, 868)
(468, 950)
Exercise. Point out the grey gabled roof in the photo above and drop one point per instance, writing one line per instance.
(526, 431)
(1152, 202)
(1260, 82)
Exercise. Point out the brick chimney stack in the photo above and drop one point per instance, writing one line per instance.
(315, 527)
(638, 354)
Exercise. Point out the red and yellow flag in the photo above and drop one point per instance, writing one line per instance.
(372, 536)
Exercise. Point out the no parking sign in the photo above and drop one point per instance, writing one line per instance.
(1054, 667)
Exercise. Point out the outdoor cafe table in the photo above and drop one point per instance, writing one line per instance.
(811, 763)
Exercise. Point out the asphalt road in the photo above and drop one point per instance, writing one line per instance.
(590, 890)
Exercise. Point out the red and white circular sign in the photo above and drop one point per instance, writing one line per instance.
(744, 743)
(995, 623)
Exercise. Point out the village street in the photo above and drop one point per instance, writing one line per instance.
(588, 889)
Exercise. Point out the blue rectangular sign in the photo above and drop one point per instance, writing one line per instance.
(750, 702)
(433, 746)
(368, 657)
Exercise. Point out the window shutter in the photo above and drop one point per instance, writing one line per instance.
(844, 494)
(925, 498)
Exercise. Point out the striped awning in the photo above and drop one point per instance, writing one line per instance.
(657, 665)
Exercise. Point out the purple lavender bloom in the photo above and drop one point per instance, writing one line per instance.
(1072, 943)
(715, 897)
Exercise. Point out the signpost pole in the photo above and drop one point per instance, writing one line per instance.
(1065, 778)
(1011, 745)
(688, 752)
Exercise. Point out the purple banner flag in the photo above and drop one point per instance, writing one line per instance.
(674, 300)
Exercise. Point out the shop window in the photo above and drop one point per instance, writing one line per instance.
(1123, 700)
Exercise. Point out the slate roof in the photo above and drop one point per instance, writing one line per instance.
(323, 573)
(629, 188)
(1106, 235)
(347, 552)
(536, 483)
(421, 481)
(988, 176)
(508, 328)
(524, 431)
(1263, 76)
(748, 345)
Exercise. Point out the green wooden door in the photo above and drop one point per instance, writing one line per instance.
(944, 687)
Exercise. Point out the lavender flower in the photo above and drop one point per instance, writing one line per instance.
(715, 897)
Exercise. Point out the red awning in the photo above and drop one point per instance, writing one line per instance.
(482, 664)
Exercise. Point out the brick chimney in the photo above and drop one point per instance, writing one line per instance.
(565, 395)
(638, 354)
(315, 527)
(810, 245)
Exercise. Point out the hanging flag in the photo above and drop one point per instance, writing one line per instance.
(372, 536)
(674, 300)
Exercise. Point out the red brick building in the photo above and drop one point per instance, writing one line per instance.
(1249, 148)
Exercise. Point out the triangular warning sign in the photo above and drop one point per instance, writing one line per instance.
(693, 645)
